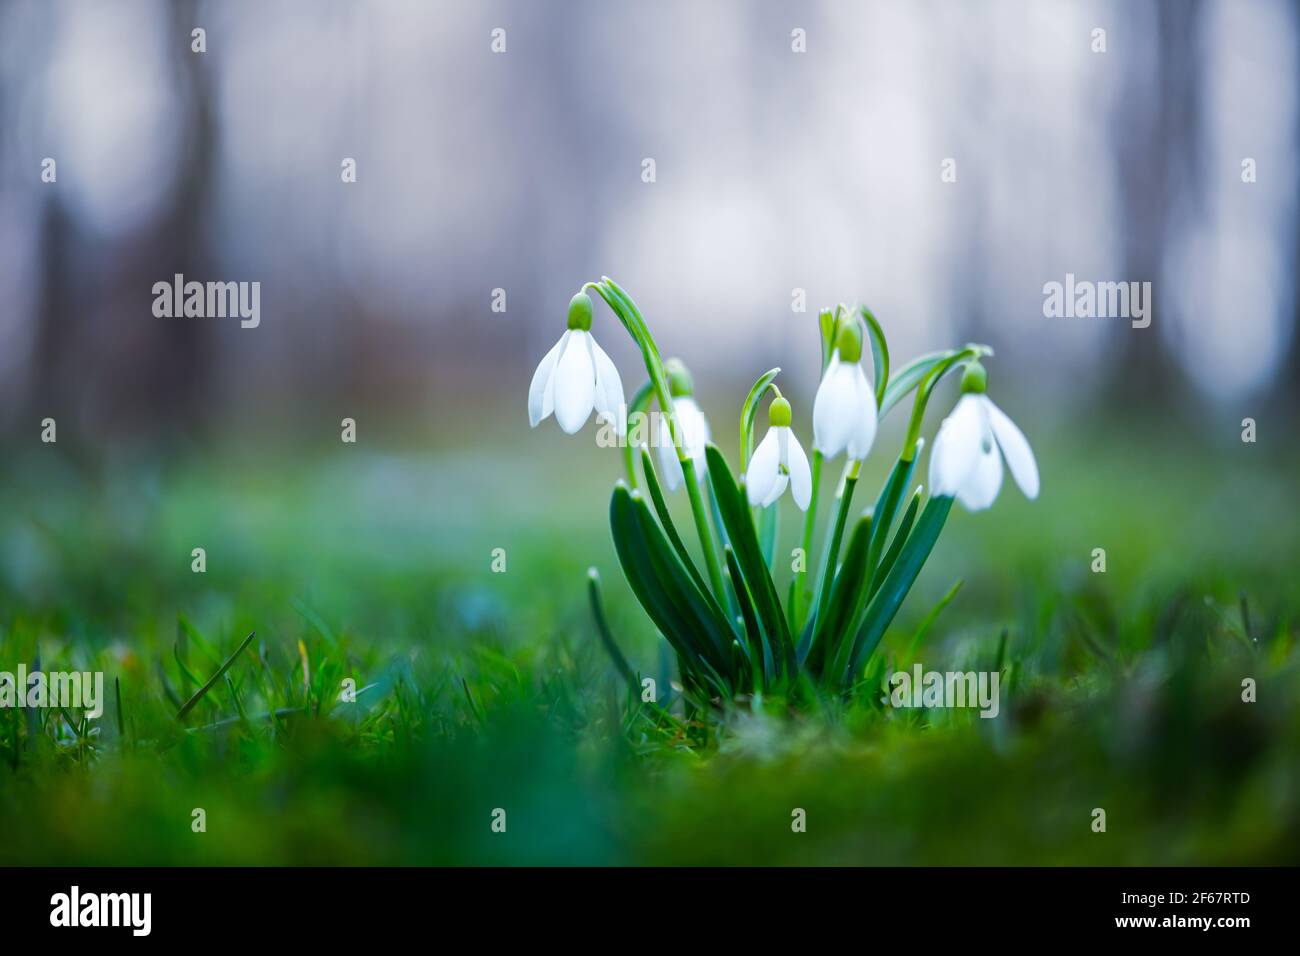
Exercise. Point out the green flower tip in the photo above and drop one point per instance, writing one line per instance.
(580, 312)
(680, 383)
(974, 379)
(778, 413)
(849, 341)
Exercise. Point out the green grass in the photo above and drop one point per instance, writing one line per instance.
(486, 690)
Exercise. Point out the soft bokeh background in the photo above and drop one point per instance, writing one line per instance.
(775, 171)
(522, 171)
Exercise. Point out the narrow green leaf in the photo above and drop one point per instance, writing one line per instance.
(887, 506)
(736, 516)
(879, 352)
(191, 680)
(827, 326)
(695, 618)
(847, 595)
(895, 546)
(882, 608)
(198, 694)
(749, 410)
(934, 612)
(635, 564)
(640, 402)
(769, 524)
(602, 627)
(831, 552)
(121, 717)
(760, 659)
(909, 376)
(665, 519)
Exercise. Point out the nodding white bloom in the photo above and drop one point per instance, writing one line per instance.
(779, 461)
(691, 421)
(844, 412)
(966, 461)
(577, 376)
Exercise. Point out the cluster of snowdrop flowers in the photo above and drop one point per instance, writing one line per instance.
(731, 632)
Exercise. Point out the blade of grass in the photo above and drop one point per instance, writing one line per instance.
(602, 627)
(198, 694)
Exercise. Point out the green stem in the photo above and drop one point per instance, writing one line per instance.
(809, 521)
(640, 402)
(832, 555)
(623, 307)
(702, 526)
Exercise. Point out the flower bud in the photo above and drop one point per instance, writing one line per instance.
(580, 312)
(778, 413)
(680, 383)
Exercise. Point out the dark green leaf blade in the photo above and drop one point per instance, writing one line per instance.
(735, 511)
(882, 608)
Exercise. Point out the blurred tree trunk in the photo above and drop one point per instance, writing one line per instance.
(103, 364)
(183, 356)
(1158, 162)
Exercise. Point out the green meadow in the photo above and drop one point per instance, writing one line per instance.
(481, 690)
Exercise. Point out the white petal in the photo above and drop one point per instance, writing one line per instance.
(609, 388)
(695, 431)
(1020, 457)
(763, 469)
(800, 474)
(575, 384)
(981, 488)
(778, 489)
(864, 431)
(957, 447)
(835, 411)
(669, 465)
(540, 399)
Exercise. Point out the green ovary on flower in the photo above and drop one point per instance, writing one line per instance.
(580, 311)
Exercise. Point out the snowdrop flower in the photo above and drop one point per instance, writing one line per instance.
(576, 376)
(779, 460)
(844, 412)
(965, 462)
(691, 421)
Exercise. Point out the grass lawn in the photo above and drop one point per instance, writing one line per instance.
(482, 690)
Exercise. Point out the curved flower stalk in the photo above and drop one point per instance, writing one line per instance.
(731, 633)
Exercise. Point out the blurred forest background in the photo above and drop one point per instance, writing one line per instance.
(522, 171)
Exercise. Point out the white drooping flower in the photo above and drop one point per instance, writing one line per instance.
(966, 461)
(844, 412)
(695, 436)
(576, 376)
(779, 461)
